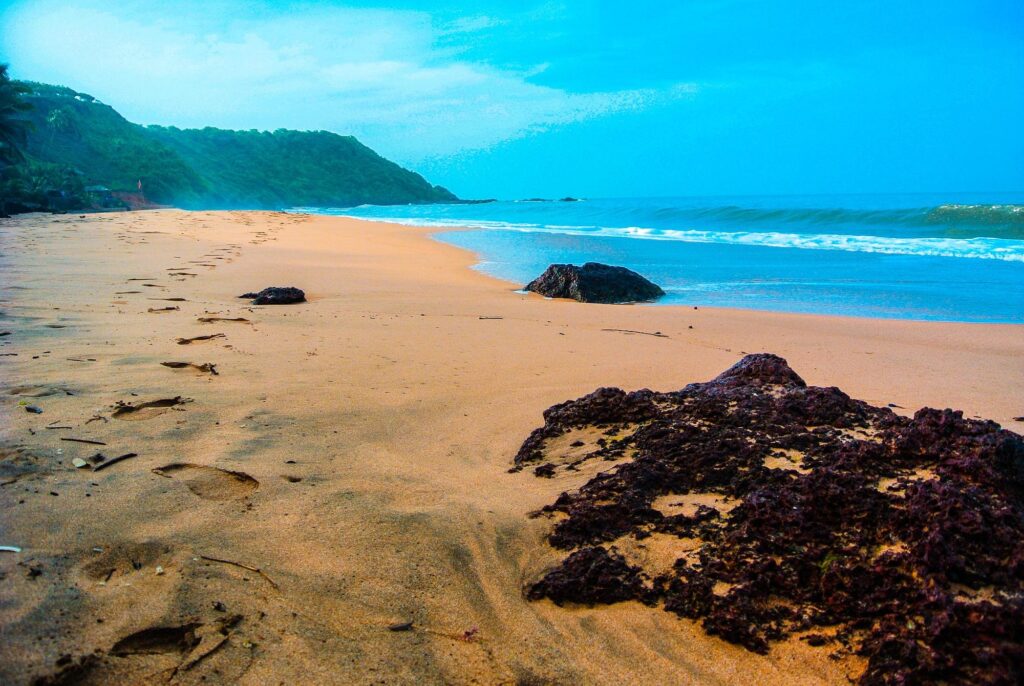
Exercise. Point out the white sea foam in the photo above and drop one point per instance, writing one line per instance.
(1009, 250)
(977, 248)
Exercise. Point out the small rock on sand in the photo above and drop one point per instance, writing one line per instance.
(277, 295)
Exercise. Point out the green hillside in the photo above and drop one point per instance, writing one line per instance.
(74, 130)
(75, 135)
(294, 168)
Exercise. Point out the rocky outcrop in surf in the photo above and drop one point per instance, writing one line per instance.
(768, 509)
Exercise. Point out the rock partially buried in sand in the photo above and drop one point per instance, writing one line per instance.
(594, 283)
(277, 295)
(768, 509)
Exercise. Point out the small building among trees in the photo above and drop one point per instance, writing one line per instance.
(101, 196)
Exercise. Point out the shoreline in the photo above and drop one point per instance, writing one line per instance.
(375, 426)
(434, 233)
(863, 260)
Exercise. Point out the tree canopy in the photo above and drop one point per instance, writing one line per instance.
(14, 125)
(70, 139)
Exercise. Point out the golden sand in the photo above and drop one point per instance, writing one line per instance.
(354, 450)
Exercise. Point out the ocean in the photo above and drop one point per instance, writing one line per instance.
(949, 257)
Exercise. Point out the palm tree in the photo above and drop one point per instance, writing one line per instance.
(13, 126)
(61, 120)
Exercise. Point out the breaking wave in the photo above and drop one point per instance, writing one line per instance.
(972, 248)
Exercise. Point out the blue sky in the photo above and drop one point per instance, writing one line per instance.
(513, 99)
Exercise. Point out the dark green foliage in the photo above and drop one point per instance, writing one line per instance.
(16, 178)
(213, 168)
(294, 168)
(75, 131)
(14, 124)
(35, 186)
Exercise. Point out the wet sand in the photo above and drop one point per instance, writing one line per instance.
(355, 450)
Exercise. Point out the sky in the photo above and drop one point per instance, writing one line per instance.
(590, 99)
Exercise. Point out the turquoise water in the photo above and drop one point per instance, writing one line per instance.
(953, 257)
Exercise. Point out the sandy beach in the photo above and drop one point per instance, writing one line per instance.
(347, 468)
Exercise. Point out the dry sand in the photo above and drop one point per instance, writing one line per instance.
(379, 421)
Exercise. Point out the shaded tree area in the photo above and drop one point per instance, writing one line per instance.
(56, 143)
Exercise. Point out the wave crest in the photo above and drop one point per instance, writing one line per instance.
(969, 248)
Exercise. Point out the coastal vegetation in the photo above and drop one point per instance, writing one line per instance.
(14, 128)
(63, 149)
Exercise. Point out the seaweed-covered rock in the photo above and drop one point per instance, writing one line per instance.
(594, 283)
(277, 295)
(608, 579)
(798, 510)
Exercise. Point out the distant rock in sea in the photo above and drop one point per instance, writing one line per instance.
(277, 295)
(594, 283)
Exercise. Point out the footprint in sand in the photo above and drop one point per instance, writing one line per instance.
(122, 559)
(38, 391)
(161, 639)
(210, 483)
(172, 649)
(17, 463)
(188, 341)
(205, 368)
(147, 410)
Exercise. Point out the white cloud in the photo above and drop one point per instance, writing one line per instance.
(472, 24)
(385, 76)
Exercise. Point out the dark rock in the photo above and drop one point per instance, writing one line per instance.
(594, 283)
(902, 537)
(277, 295)
(763, 369)
(545, 470)
(606, 578)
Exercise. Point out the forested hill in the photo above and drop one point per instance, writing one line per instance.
(213, 168)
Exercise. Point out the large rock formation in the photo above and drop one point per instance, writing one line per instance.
(594, 283)
(768, 509)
